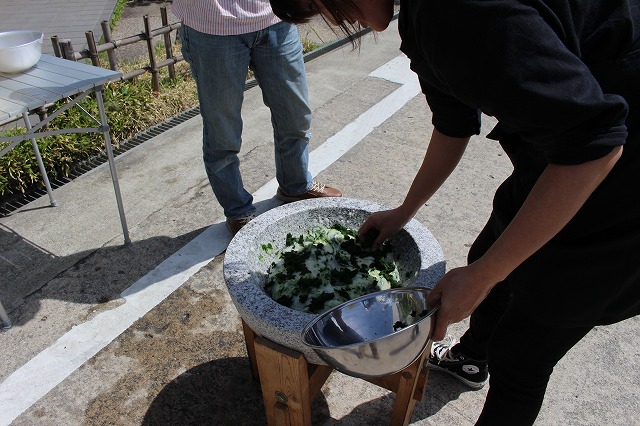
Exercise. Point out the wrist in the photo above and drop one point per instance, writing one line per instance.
(486, 273)
(406, 211)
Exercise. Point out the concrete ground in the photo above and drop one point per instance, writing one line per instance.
(105, 334)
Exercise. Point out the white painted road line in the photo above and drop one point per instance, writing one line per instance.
(37, 377)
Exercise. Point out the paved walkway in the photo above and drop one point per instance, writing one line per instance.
(68, 19)
(147, 334)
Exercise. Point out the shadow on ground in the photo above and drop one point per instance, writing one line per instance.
(220, 392)
(223, 392)
(93, 277)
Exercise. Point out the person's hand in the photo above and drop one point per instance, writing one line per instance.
(385, 224)
(459, 292)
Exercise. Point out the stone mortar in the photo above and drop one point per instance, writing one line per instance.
(246, 265)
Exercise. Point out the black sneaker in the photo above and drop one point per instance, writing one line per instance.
(471, 372)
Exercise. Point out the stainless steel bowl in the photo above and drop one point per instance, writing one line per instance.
(19, 50)
(374, 335)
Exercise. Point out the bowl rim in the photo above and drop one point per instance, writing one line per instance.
(319, 317)
(39, 38)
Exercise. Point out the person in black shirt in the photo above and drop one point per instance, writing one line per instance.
(560, 252)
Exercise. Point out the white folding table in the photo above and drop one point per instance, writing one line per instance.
(51, 80)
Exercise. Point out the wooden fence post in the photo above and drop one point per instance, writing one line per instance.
(155, 83)
(66, 48)
(111, 54)
(42, 115)
(167, 42)
(55, 43)
(93, 50)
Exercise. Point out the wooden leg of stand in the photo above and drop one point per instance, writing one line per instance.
(249, 339)
(424, 375)
(284, 379)
(318, 375)
(289, 383)
(405, 401)
(422, 383)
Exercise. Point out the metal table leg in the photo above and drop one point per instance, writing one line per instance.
(112, 165)
(43, 172)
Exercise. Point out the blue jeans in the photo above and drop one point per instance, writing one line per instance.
(219, 65)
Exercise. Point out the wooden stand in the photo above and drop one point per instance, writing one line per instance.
(289, 384)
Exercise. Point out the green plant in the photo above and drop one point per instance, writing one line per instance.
(131, 107)
(117, 13)
(314, 31)
(308, 45)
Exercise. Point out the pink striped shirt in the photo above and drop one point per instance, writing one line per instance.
(225, 17)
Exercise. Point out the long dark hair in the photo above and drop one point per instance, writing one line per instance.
(301, 12)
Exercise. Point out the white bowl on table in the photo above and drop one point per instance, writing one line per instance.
(19, 50)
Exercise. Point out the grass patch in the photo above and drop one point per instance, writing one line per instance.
(117, 13)
(131, 107)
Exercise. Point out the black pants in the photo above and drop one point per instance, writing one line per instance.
(521, 351)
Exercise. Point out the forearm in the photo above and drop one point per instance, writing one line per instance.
(441, 158)
(554, 200)
(443, 154)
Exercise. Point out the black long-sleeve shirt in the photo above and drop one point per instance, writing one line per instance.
(562, 77)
